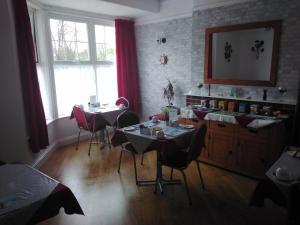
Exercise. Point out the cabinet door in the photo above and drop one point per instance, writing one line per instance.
(251, 156)
(221, 149)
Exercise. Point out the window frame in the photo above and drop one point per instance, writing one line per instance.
(90, 22)
(32, 17)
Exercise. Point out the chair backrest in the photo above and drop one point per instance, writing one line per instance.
(124, 101)
(80, 117)
(127, 118)
(197, 143)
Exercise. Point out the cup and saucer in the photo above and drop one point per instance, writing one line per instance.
(282, 174)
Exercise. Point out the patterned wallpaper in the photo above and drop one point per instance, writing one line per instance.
(185, 50)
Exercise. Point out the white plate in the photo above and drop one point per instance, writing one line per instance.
(129, 128)
(186, 126)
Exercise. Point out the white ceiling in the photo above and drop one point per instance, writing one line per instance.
(116, 8)
(143, 11)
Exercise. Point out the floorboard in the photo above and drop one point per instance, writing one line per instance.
(109, 198)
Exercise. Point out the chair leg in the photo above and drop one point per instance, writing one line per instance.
(107, 135)
(142, 160)
(200, 174)
(96, 137)
(78, 138)
(135, 170)
(171, 175)
(186, 187)
(92, 136)
(120, 159)
(156, 183)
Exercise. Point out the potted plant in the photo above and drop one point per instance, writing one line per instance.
(169, 93)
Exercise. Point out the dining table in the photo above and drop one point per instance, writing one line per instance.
(28, 196)
(109, 113)
(104, 114)
(284, 191)
(143, 138)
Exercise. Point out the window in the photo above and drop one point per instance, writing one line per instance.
(32, 16)
(69, 41)
(83, 65)
(41, 69)
(105, 43)
(106, 71)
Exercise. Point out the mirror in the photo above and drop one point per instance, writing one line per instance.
(244, 54)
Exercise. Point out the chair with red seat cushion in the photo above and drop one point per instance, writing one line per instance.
(91, 122)
(180, 159)
(122, 100)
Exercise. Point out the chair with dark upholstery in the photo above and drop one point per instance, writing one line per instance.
(91, 123)
(180, 159)
(125, 119)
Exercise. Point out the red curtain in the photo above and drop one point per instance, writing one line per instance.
(33, 107)
(127, 62)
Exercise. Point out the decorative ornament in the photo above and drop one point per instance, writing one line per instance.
(228, 51)
(169, 93)
(258, 48)
(163, 59)
(282, 90)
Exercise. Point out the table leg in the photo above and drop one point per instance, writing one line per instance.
(161, 182)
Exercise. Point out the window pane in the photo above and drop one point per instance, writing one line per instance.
(32, 15)
(69, 41)
(105, 43)
(107, 83)
(44, 93)
(74, 85)
(99, 31)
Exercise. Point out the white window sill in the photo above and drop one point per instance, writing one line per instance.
(48, 122)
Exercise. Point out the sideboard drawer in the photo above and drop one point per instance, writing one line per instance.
(221, 126)
(256, 133)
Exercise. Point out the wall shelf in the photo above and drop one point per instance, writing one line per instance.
(272, 101)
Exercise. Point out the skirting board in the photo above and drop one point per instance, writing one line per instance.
(57, 144)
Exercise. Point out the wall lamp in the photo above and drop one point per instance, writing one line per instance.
(161, 40)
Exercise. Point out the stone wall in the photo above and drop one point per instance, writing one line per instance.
(185, 49)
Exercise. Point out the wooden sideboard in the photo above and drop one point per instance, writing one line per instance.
(243, 150)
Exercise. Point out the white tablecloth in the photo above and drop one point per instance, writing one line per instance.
(22, 191)
(110, 114)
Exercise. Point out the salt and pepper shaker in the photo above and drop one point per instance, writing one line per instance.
(265, 94)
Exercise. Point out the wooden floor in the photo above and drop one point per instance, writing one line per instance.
(108, 198)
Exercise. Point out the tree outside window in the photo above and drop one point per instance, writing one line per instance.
(69, 41)
(105, 43)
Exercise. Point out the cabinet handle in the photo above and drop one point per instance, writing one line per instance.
(221, 125)
(230, 152)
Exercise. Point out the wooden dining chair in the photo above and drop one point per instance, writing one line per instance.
(93, 124)
(180, 159)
